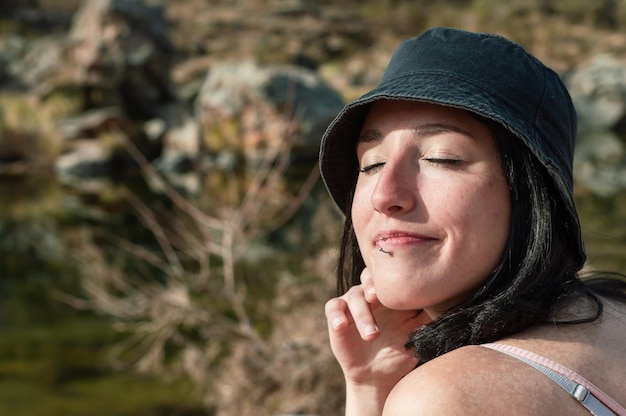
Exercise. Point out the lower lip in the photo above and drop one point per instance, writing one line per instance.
(403, 241)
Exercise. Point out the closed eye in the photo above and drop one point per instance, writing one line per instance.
(445, 162)
(373, 168)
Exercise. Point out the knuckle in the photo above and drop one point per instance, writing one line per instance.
(354, 294)
(331, 305)
(366, 276)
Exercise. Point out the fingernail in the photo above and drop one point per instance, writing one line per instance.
(371, 291)
(337, 322)
(370, 329)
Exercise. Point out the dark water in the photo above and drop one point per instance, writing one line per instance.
(53, 357)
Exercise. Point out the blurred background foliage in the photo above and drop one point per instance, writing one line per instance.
(56, 352)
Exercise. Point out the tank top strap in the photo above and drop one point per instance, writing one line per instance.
(590, 396)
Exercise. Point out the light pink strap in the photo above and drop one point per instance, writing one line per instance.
(580, 381)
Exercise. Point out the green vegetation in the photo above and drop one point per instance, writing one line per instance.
(604, 230)
(61, 369)
(28, 129)
(54, 360)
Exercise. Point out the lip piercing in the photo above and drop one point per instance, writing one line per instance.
(382, 250)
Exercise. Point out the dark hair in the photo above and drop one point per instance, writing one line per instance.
(537, 276)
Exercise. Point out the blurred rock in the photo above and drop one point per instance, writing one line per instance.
(181, 154)
(181, 133)
(598, 90)
(122, 47)
(31, 64)
(90, 123)
(600, 161)
(35, 15)
(248, 107)
(88, 159)
(297, 8)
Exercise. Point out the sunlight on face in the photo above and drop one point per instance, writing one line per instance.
(431, 209)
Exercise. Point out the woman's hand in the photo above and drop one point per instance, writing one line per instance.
(368, 341)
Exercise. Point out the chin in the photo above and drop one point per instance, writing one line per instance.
(399, 304)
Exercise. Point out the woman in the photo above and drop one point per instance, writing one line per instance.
(459, 275)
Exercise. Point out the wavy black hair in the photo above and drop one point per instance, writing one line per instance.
(537, 276)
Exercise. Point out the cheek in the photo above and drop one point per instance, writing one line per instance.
(491, 209)
(362, 199)
(359, 211)
(499, 203)
(477, 215)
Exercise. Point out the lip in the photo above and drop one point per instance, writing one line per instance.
(397, 238)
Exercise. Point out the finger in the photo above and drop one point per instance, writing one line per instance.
(337, 314)
(368, 287)
(361, 312)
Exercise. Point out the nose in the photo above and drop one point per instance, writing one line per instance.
(396, 188)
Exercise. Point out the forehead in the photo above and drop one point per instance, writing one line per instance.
(423, 119)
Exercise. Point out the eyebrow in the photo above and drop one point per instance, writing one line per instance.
(422, 130)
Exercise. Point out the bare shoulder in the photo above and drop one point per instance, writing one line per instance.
(462, 382)
(476, 381)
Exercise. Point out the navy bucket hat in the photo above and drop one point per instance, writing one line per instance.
(483, 73)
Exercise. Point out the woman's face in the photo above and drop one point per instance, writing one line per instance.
(431, 208)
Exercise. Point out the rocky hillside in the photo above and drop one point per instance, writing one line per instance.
(136, 66)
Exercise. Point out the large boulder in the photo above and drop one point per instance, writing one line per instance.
(248, 108)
